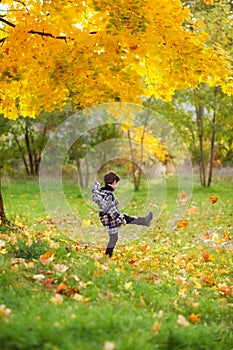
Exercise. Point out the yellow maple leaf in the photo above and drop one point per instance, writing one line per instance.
(86, 223)
(128, 285)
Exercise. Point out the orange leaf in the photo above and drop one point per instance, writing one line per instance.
(62, 286)
(183, 197)
(143, 248)
(205, 255)
(207, 235)
(48, 283)
(225, 289)
(227, 236)
(182, 223)
(213, 199)
(192, 210)
(132, 261)
(47, 257)
(195, 318)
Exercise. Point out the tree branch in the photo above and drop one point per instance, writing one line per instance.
(62, 37)
(47, 34)
(7, 22)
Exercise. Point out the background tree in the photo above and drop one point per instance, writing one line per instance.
(203, 115)
(3, 159)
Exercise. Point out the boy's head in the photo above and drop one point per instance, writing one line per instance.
(111, 177)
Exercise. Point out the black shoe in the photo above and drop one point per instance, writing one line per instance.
(109, 252)
(142, 221)
(148, 218)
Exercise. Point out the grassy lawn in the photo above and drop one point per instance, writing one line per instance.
(165, 290)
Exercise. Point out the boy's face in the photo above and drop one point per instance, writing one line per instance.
(114, 185)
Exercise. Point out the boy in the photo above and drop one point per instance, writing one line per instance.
(109, 211)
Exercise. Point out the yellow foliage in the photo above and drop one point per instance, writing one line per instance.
(101, 51)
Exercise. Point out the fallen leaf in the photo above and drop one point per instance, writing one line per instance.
(156, 326)
(39, 277)
(227, 236)
(225, 289)
(4, 311)
(195, 318)
(160, 314)
(206, 235)
(164, 206)
(2, 243)
(182, 223)
(142, 301)
(182, 321)
(193, 210)
(60, 267)
(183, 197)
(57, 299)
(62, 286)
(108, 345)
(143, 248)
(85, 223)
(79, 297)
(205, 255)
(47, 258)
(128, 285)
(214, 199)
(70, 291)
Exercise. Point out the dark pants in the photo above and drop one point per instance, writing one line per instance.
(129, 220)
(113, 238)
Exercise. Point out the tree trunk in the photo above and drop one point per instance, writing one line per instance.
(29, 150)
(77, 163)
(2, 211)
(40, 149)
(212, 140)
(136, 185)
(87, 165)
(199, 119)
(22, 153)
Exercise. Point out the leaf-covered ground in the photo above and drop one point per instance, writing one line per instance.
(164, 291)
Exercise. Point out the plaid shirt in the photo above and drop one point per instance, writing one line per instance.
(109, 211)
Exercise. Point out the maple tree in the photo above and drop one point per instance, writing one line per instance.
(101, 50)
(203, 115)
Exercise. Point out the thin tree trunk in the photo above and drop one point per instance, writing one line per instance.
(40, 149)
(2, 211)
(22, 153)
(133, 162)
(77, 162)
(142, 148)
(87, 165)
(29, 151)
(199, 119)
(212, 141)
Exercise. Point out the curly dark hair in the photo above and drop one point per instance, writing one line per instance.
(110, 177)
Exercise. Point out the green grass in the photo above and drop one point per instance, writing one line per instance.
(132, 300)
